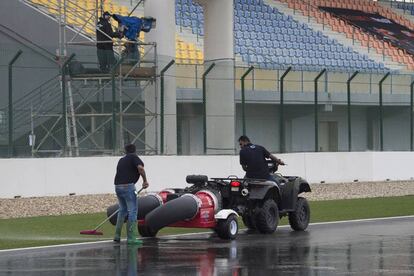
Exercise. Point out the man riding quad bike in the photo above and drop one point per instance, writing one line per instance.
(255, 161)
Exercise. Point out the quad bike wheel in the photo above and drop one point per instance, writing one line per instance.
(267, 217)
(299, 219)
(144, 231)
(227, 228)
(249, 222)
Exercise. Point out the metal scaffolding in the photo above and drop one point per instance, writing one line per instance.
(96, 112)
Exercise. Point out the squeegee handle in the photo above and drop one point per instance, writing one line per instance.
(113, 214)
(140, 190)
(108, 218)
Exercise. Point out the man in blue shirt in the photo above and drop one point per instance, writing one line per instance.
(253, 159)
(131, 26)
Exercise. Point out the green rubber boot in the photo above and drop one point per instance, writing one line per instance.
(133, 234)
(118, 228)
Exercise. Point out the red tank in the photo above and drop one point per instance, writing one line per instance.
(204, 218)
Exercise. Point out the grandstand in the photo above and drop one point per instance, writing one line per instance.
(264, 36)
(267, 38)
(312, 9)
(306, 36)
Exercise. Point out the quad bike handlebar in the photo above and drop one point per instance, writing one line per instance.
(273, 166)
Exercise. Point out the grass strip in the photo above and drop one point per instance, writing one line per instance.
(52, 230)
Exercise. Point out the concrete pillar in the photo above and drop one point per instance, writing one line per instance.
(164, 36)
(218, 48)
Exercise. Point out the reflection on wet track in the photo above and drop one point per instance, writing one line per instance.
(381, 247)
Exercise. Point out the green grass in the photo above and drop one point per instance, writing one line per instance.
(39, 231)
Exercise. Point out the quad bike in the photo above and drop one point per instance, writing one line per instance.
(216, 203)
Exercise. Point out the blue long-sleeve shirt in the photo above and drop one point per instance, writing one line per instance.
(133, 25)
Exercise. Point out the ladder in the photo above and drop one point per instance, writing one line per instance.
(72, 133)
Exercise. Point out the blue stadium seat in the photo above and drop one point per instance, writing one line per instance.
(295, 45)
(252, 58)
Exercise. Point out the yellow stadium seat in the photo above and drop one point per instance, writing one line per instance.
(200, 55)
(191, 46)
(90, 6)
(52, 10)
(71, 21)
(90, 31)
(124, 10)
(192, 55)
(107, 7)
(186, 55)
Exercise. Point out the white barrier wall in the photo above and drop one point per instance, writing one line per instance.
(94, 175)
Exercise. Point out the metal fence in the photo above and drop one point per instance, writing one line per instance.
(286, 110)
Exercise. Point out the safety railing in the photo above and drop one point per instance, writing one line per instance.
(299, 81)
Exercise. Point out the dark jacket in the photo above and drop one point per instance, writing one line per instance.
(105, 27)
(253, 157)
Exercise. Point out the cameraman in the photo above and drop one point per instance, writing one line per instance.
(104, 35)
(253, 160)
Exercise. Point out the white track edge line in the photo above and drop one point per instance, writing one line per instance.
(197, 233)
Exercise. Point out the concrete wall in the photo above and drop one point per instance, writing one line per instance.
(94, 175)
(262, 126)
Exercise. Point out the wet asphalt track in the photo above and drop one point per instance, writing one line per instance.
(379, 247)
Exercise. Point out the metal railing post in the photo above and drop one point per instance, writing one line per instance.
(11, 128)
(113, 72)
(316, 108)
(243, 99)
(281, 112)
(205, 107)
(64, 113)
(348, 93)
(135, 7)
(411, 116)
(162, 103)
(381, 112)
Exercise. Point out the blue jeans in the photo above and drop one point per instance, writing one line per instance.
(127, 200)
